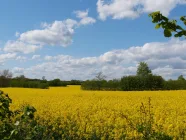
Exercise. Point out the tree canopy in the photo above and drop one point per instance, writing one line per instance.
(143, 69)
(181, 78)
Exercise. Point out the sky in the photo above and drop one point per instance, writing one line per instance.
(76, 39)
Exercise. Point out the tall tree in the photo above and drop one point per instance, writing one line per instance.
(143, 69)
(181, 78)
(5, 77)
(170, 27)
(99, 80)
(6, 74)
(100, 76)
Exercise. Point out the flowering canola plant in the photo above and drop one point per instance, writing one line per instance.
(108, 114)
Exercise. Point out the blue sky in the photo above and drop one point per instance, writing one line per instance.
(75, 39)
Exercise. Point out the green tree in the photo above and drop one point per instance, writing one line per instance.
(170, 27)
(100, 79)
(143, 69)
(181, 78)
(55, 83)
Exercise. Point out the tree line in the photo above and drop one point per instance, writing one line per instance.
(143, 80)
(6, 80)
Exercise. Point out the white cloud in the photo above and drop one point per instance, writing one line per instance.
(164, 58)
(120, 9)
(48, 58)
(5, 57)
(35, 57)
(59, 33)
(57, 58)
(21, 58)
(165, 6)
(169, 73)
(21, 47)
(85, 19)
(18, 71)
(17, 34)
(81, 14)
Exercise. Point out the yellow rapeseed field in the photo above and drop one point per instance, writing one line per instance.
(102, 112)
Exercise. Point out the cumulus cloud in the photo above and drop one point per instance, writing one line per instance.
(48, 58)
(81, 14)
(59, 33)
(164, 58)
(20, 47)
(8, 56)
(85, 19)
(35, 57)
(120, 9)
(18, 71)
(58, 58)
(21, 58)
(169, 73)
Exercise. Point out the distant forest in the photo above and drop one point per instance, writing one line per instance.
(6, 80)
(143, 80)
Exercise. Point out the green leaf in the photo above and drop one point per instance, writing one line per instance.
(12, 133)
(179, 27)
(184, 22)
(182, 18)
(158, 26)
(167, 33)
(165, 18)
(154, 14)
(174, 21)
(176, 35)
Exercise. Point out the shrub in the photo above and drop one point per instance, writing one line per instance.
(19, 124)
